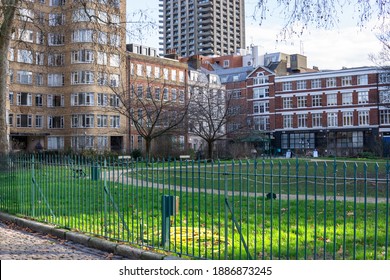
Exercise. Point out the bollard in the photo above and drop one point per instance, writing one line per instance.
(169, 206)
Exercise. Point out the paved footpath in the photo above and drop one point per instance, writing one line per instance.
(17, 243)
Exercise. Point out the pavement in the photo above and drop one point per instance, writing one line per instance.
(22, 239)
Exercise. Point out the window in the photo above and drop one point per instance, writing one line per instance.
(157, 72)
(114, 80)
(316, 100)
(181, 76)
(102, 17)
(347, 118)
(102, 79)
(11, 119)
(261, 123)
(115, 40)
(55, 80)
(83, 120)
(102, 121)
(82, 36)
(148, 71)
(260, 92)
(140, 70)
(140, 90)
(56, 19)
(56, 59)
(157, 93)
(316, 120)
(331, 82)
(11, 98)
(174, 95)
(56, 3)
(23, 120)
(102, 38)
(82, 77)
(331, 99)
(166, 73)
(260, 79)
(39, 121)
(55, 100)
(346, 81)
(82, 142)
(55, 142)
(363, 97)
(39, 58)
(287, 121)
(260, 107)
(364, 117)
(26, 35)
(362, 79)
(82, 99)
(26, 15)
(24, 99)
(302, 120)
(40, 38)
(38, 100)
(25, 56)
(384, 96)
(226, 63)
(173, 74)
(39, 79)
(82, 56)
(287, 102)
(56, 39)
(384, 78)
(316, 83)
(101, 58)
(114, 100)
(83, 15)
(102, 142)
(384, 116)
(302, 101)
(165, 94)
(287, 86)
(115, 121)
(332, 119)
(102, 99)
(301, 84)
(347, 98)
(25, 77)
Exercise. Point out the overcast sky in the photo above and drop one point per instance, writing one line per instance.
(346, 45)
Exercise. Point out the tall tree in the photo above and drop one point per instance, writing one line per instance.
(153, 105)
(208, 109)
(8, 11)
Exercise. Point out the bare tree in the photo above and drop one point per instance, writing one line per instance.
(153, 106)
(208, 109)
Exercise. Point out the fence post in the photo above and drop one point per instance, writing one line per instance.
(32, 186)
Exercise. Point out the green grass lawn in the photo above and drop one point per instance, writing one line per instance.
(222, 213)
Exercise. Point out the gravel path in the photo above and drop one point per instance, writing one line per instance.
(23, 244)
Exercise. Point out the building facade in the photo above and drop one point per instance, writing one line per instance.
(205, 27)
(67, 62)
(341, 112)
(157, 102)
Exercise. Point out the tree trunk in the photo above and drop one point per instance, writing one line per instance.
(210, 148)
(5, 36)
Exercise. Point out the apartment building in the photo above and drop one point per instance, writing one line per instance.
(342, 112)
(205, 27)
(66, 70)
(157, 102)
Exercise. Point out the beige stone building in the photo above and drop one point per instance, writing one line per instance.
(67, 70)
